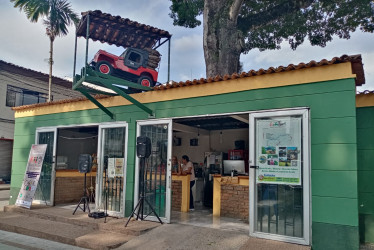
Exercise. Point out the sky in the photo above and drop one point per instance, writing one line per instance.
(25, 44)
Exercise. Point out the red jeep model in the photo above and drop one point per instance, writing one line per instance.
(135, 65)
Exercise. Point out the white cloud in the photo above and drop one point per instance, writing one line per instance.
(188, 43)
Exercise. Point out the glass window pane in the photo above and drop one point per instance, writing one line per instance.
(155, 173)
(279, 176)
(113, 153)
(43, 191)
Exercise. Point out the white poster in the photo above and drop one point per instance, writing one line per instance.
(32, 175)
(115, 167)
(279, 151)
(111, 168)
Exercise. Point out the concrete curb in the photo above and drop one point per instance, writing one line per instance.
(4, 187)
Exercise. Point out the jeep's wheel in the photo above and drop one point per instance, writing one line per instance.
(104, 68)
(145, 81)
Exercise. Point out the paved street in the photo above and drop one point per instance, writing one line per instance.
(13, 241)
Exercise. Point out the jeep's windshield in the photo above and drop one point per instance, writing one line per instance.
(123, 53)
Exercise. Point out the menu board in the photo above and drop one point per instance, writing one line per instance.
(278, 148)
(32, 175)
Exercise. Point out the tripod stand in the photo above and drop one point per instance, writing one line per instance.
(84, 199)
(140, 205)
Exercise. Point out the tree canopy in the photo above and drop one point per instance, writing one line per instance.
(265, 24)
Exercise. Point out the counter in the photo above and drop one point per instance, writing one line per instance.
(180, 192)
(231, 196)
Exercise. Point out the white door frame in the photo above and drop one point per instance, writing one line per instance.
(100, 166)
(169, 122)
(53, 170)
(306, 175)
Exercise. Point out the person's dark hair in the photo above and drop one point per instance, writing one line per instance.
(185, 157)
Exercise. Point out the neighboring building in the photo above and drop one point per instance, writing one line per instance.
(297, 125)
(20, 86)
(365, 163)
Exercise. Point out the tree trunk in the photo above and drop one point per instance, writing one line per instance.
(223, 42)
(50, 69)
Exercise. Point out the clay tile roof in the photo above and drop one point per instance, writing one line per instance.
(14, 69)
(119, 31)
(356, 60)
(97, 97)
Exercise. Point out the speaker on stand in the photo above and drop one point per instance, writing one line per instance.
(84, 166)
(143, 151)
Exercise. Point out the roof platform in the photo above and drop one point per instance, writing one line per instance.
(122, 32)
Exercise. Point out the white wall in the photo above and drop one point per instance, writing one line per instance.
(6, 78)
(208, 143)
(6, 130)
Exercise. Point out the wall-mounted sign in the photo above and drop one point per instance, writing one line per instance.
(32, 175)
(278, 148)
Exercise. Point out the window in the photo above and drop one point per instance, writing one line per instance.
(135, 57)
(18, 96)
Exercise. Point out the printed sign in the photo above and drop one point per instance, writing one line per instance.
(115, 167)
(32, 175)
(279, 150)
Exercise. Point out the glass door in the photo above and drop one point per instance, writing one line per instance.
(45, 191)
(279, 175)
(111, 174)
(157, 169)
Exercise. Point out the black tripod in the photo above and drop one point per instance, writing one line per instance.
(106, 193)
(84, 199)
(140, 205)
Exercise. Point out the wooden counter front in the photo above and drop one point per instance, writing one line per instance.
(184, 192)
(72, 173)
(69, 185)
(230, 196)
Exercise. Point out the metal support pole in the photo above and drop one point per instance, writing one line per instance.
(169, 60)
(87, 37)
(75, 57)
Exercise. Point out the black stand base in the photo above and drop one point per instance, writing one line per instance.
(85, 203)
(140, 207)
(84, 200)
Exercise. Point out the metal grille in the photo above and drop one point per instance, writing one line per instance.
(155, 168)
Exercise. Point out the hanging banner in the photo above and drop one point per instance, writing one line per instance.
(32, 175)
(279, 151)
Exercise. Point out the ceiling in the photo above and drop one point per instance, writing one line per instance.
(209, 123)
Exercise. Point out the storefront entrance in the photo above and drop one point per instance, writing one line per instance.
(45, 190)
(156, 170)
(111, 175)
(279, 175)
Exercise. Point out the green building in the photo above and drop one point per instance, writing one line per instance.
(306, 149)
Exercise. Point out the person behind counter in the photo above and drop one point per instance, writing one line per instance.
(174, 165)
(187, 168)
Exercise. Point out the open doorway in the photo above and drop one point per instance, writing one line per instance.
(217, 146)
(71, 143)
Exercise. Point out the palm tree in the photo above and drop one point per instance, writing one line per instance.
(57, 14)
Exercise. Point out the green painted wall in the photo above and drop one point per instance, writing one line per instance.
(365, 162)
(334, 198)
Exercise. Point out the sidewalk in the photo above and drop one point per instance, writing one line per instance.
(59, 225)
(9, 240)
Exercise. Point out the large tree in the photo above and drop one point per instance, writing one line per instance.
(232, 27)
(57, 14)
